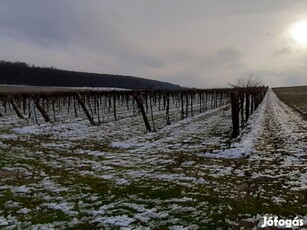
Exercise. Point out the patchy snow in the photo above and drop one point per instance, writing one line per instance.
(115, 221)
(65, 207)
(183, 135)
(96, 153)
(33, 129)
(12, 204)
(118, 144)
(183, 176)
(24, 211)
(3, 221)
(21, 189)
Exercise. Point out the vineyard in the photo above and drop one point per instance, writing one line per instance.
(101, 107)
(190, 159)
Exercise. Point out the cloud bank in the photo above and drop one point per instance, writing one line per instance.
(197, 43)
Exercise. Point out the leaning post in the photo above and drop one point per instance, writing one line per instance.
(235, 113)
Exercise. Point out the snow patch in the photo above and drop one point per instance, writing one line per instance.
(21, 189)
(115, 221)
(33, 129)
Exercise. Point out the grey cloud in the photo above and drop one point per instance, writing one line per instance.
(61, 23)
(38, 21)
(192, 42)
(204, 69)
(221, 57)
(229, 56)
(283, 52)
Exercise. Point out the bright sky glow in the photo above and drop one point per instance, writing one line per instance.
(299, 32)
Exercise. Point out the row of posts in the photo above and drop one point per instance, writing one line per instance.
(243, 101)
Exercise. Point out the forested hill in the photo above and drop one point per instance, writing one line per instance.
(18, 73)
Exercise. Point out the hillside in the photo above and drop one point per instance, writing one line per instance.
(23, 74)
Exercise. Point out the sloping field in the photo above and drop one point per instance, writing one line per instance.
(115, 176)
(296, 97)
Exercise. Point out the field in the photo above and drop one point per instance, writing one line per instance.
(71, 175)
(296, 97)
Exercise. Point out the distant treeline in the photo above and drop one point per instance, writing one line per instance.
(18, 73)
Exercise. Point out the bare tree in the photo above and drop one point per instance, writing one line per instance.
(244, 99)
(250, 82)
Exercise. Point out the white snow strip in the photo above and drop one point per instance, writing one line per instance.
(245, 146)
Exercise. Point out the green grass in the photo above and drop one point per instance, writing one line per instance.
(153, 190)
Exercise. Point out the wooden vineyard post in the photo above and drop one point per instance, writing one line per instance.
(201, 99)
(4, 104)
(187, 104)
(89, 104)
(32, 107)
(151, 112)
(253, 103)
(114, 107)
(41, 110)
(182, 105)
(247, 105)
(159, 101)
(215, 99)
(81, 102)
(146, 103)
(110, 103)
(258, 100)
(168, 122)
(139, 102)
(98, 112)
(1, 100)
(103, 106)
(53, 108)
(192, 113)
(75, 107)
(68, 106)
(164, 101)
(127, 101)
(242, 96)
(24, 104)
(17, 110)
(133, 106)
(235, 114)
(206, 101)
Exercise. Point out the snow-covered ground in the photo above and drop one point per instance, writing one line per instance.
(184, 176)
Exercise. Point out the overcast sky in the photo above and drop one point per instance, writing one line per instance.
(196, 43)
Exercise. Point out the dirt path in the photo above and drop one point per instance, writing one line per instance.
(276, 172)
(285, 125)
(282, 146)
